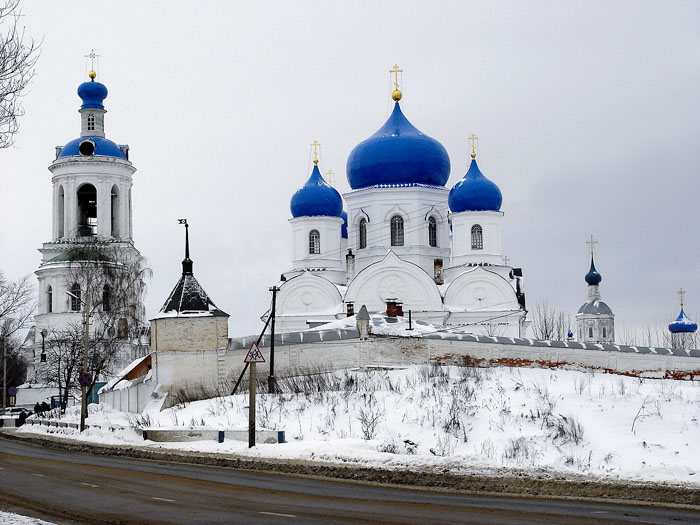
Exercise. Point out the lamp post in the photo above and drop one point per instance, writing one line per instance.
(86, 343)
(271, 381)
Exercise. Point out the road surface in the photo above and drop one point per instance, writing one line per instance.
(63, 486)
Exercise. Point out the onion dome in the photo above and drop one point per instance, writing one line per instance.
(682, 324)
(475, 192)
(92, 146)
(344, 227)
(92, 93)
(316, 198)
(595, 308)
(593, 277)
(398, 154)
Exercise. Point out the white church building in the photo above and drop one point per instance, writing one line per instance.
(404, 241)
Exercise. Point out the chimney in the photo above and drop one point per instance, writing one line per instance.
(437, 271)
(362, 321)
(349, 267)
(394, 308)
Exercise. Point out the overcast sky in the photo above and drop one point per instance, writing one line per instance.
(588, 115)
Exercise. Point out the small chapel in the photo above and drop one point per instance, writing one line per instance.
(401, 241)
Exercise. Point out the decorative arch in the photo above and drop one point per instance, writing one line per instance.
(481, 290)
(308, 294)
(394, 278)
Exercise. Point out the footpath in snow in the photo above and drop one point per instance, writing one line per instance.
(8, 518)
(450, 419)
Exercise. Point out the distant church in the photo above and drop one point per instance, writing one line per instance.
(405, 241)
(91, 247)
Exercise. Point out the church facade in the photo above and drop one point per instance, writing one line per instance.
(401, 238)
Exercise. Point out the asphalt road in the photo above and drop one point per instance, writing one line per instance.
(64, 487)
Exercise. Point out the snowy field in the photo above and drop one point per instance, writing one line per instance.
(457, 419)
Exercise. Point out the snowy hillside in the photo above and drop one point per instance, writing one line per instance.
(459, 418)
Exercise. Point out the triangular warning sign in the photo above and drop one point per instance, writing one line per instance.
(254, 355)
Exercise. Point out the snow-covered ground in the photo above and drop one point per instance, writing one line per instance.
(453, 418)
(8, 518)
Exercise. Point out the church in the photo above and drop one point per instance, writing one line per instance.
(401, 240)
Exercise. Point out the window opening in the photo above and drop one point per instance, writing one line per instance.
(106, 298)
(432, 232)
(397, 230)
(115, 211)
(91, 122)
(590, 331)
(605, 334)
(477, 238)
(87, 210)
(314, 242)
(49, 300)
(75, 298)
(363, 233)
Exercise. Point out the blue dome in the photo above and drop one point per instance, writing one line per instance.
(316, 198)
(593, 277)
(682, 324)
(344, 227)
(103, 147)
(398, 154)
(92, 93)
(475, 193)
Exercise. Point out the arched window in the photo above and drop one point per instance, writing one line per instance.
(61, 207)
(106, 298)
(87, 210)
(397, 230)
(91, 122)
(605, 333)
(363, 233)
(75, 298)
(590, 331)
(477, 238)
(314, 242)
(49, 300)
(115, 211)
(432, 232)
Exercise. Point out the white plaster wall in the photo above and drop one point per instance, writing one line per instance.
(189, 333)
(415, 205)
(331, 256)
(490, 222)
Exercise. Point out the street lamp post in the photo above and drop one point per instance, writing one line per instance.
(86, 343)
(42, 358)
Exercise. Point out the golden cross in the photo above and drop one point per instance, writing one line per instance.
(315, 144)
(92, 56)
(330, 174)
(473, 138)
(395, 70)
(591, 242)
(681, 292)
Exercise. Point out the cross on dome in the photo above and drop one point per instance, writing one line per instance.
(92, 56)
(396, 94)
(681, 293)
(329, 177)
(591, 243)
(315, 144)
(473, 138)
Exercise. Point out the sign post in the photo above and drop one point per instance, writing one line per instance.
(254, 356)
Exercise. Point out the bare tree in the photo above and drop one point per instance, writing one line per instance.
(18, 56)
(110, 281)
(549, 324)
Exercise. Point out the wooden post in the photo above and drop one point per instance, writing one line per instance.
(4, 373)
(251, 407)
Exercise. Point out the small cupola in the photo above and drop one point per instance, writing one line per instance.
(316, 197)
(475, 192)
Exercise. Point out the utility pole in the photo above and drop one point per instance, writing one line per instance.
(271, 382)
(86, 342)
(4, 373)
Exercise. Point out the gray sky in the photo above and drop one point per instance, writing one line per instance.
(587, 114)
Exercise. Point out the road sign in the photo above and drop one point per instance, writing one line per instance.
(85, 379)
(254, 355)
(12, 391)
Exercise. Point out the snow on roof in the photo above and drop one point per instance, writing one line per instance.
(118, 377)
(188, 298)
